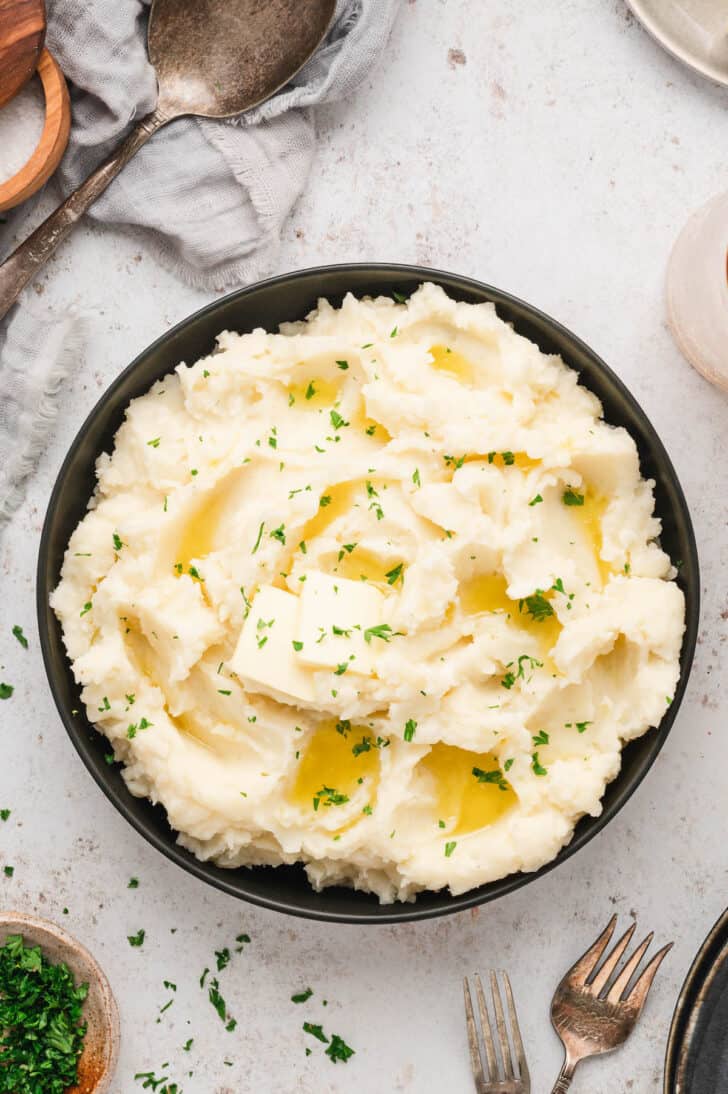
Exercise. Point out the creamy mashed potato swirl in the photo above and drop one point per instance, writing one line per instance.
(380, 593)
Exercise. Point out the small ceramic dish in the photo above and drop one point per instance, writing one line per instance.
(101, 1045)
(693, 31)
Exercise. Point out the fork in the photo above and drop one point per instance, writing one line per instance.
(593, 1011)
(495, 1077)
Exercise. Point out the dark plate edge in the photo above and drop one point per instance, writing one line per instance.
(689, 1004)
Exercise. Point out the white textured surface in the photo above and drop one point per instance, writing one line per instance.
(556, 153)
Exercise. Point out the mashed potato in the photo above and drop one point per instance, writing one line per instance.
(380, 593)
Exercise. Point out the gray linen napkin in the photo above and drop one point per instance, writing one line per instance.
(209, 198)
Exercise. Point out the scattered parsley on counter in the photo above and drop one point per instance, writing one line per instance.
(138, 938)
(572, 497)
(4, 814)
(18, 632)
(6, 690)
(8, 871)
(161, 1085)
(242, 940)
(302, 996)
(41, 1033)
(223, 958)
(133, 883)
(315, 1031)
(338, 1049)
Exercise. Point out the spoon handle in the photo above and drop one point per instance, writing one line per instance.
(25, 261)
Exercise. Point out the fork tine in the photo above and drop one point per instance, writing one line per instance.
(611, 961)
(629, 970)
(487, 1031)
(638, 995)
(505, 1048)
(515, 1029)
(588, 961)
(476, 1061)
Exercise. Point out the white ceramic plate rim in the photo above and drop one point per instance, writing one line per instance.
(658, 25)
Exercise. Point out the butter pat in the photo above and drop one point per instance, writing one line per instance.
(334, 615)
(264, 658)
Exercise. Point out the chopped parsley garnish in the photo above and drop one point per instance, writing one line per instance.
(454, 461)
(572, 497)
(324, 500)
(394, 575)
(8, 871)
(537, 766)
(154, 443)
(382, 630)
(279, 533)
(310, 390)
(86, 608)
(450, 847)
(399, 297)
(341, 669)
(580, 727)
(18, 632)
(273, 440)
(393, 332)
(541, 738)
(508, 764)
(133, 883)
(336, 420)
(298, 646)
(410, 729)
(4, 814)
(137, 939)
(537, 606)
(6, 690)
(328, 796)
(257, 542)
(536, 501)
(302, 996)
(494, 777)
(508, 680)
(508, 458)
(342, 364)
(416, 477)
(371, 429)
(41, 1027)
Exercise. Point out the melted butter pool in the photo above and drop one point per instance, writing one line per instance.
(463, 802)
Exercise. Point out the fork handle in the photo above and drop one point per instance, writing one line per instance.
(565, 1076)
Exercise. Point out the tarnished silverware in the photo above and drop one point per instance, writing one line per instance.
(214, 59)
(594, 1010)
(498, 1074)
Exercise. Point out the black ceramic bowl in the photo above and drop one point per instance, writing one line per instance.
(268, 304)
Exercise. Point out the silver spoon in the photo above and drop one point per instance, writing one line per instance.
(213, 58)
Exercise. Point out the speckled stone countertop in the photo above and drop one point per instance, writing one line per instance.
(552, 150)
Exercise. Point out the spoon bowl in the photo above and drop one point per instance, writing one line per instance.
(215, 58)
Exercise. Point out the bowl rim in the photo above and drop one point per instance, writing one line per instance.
(398, 911)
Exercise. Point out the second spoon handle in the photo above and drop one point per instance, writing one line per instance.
(25, 261)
